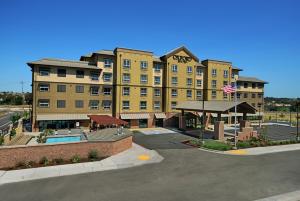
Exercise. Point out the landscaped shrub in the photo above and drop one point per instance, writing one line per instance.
(42, 137)
(243, 144)
(44, 161)
(58, 161)
(93, 155)
(75, 159)
(1, 139)
(216, 145)
(29, 164)
(13, 132)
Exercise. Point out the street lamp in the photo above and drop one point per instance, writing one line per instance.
(259, 117)
(297, 108)
(235, 110)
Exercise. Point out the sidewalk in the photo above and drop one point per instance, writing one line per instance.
(264, 150)
(134, 156)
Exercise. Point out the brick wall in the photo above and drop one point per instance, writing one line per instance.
(10, 156)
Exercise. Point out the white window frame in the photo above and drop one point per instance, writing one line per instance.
(156, 105)
(106, 92)
(93, 92)
(214, 72)
(156, 67)
(94, 107)
(189, 69)
(44, 72)
(144, 65)
(143, 92)
(173, 93)
(157, 94)
(125, 107)
(189, 81)
(199, 71)
(156, 82)
(174, 80)
(197, 94)
(225, 73)
(126, 78)
(143, 107)
(106, 106)
(174, 68)
(214, 84)
(45, 88)
(126, 91)
(189, 93)
(173, 104)
(126, 63)
(199, 83)
(45, 104)
(107, 63)
(94, 76)
(213, 94)
(142, 80)
(105, 79)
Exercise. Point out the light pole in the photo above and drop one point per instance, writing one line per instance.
(297, 108)
(235, 109)
(259, 117)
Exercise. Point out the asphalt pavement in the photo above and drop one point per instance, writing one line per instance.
(5, 121)
(184, 174)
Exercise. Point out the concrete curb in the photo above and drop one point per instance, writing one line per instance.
(126, 159)
(292, 196)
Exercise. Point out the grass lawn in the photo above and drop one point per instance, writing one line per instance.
(216, 145)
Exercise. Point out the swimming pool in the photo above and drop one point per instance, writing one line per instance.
(57, 139)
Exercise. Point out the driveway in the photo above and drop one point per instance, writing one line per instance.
(164, 140)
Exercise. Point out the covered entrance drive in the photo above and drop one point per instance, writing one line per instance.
(218, 107)
(105, 121)
(136, 120)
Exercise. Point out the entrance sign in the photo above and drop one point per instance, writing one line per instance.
(182, 59)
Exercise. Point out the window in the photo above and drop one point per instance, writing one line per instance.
(199, 94)
(245, 85)
(225, 83)
(253, 85)
(199, 71)
(213, 94)
(174, 68)
(79, 88)
(245, 95)
(189, 81)
(107, 77)
(260, 86)
(189, 69)
(143, 91)
(44, 72)
(238, 96)
(233, 74)
(79, 103)
(225, 73)
(253, 104)
(259, 95)
(214, 84)
(238, 85)
(156, 105)
(144, 79)
(61, 103)
(79, 74)
(126, 91)
(106, 90)
(157, 80)
(174, 92)
(106, 104)
(157, 92)
(144, 65)
(125, 105)
(126, 77)
(94, 76)
(94, 90)
(173, 104)
(107, 63)
(199, 83)
(94, 104)
(174, 80)
(253, 95)
(143, 105)
(44, 87)
(189, 93)
(156, 67)
(214, 72)
(126, 63)
(225, 95)
(44, 103)
(259, 105)
(61, 88)
(61, 72)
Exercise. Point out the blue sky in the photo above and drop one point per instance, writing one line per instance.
(262, 37)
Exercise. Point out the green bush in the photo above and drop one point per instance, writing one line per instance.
(1, 139)
(243, 144)
(13, 132)
(44, 161)
(216, 145)
(75, 159)
(93, 155)
(58, 161)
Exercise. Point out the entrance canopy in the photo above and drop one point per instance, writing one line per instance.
(224, 107)
(105, 120)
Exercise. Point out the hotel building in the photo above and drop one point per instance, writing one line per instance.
(133, 85)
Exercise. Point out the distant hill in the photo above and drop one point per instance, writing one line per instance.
(280, 104)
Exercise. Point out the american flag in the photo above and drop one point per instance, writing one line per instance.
(228, 89)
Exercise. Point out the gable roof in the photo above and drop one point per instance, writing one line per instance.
(182, 48)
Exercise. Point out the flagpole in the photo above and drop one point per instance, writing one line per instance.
(235, 101)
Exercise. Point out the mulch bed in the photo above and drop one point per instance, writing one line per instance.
(188, 142)
(32, 164)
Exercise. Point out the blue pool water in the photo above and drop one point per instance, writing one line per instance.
(63, 139)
